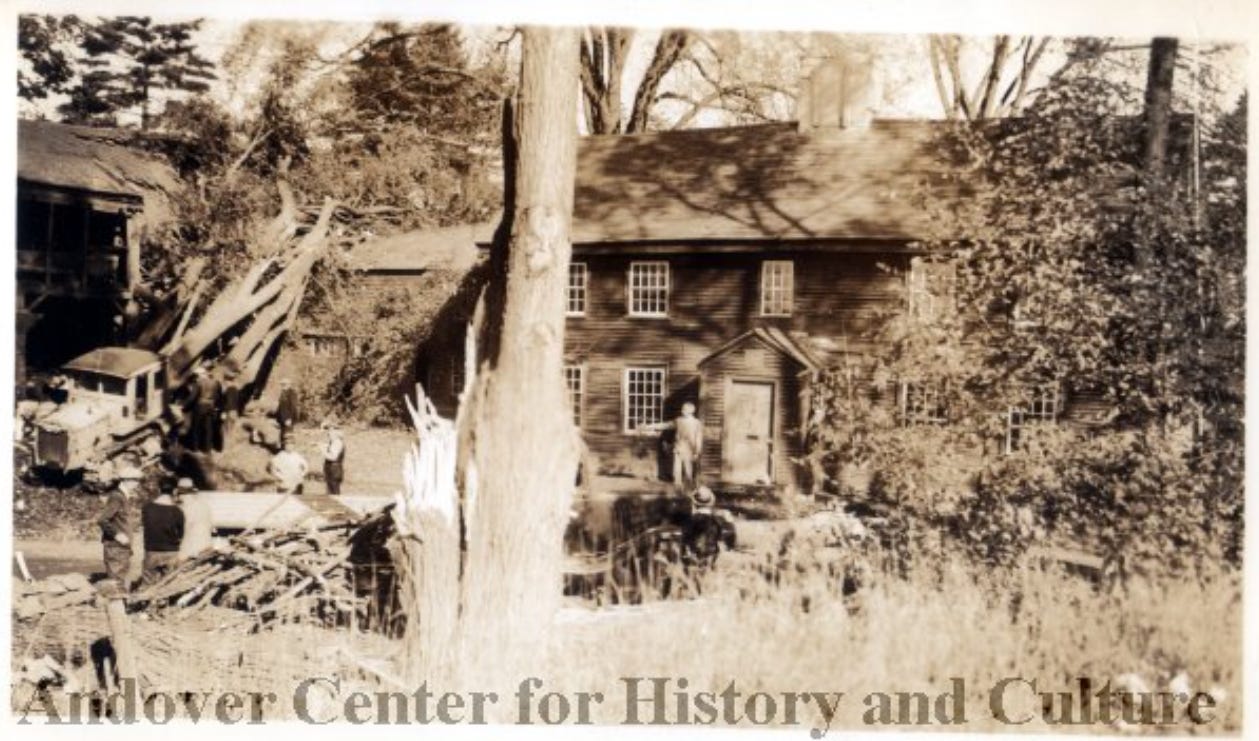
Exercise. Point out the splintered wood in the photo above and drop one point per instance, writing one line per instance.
(300, 575)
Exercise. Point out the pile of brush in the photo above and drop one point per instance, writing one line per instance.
(293, 575)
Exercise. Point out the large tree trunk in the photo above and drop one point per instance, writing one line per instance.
(524, 454)
(486, 574)
(1158, 104)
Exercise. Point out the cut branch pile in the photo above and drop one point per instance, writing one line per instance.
(299, 575)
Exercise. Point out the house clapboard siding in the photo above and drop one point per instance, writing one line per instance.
(713, 298)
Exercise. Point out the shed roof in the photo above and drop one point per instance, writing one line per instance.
(122, 362)
(448, 248)
(767, 181)
(98, 160)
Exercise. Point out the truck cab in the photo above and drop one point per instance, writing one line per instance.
(116, 396)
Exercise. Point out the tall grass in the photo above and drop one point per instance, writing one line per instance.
(913, 634)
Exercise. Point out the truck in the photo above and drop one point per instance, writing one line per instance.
(116, 401)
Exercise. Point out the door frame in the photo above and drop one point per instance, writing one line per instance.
(728, 382)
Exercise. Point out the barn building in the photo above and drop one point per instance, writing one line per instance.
(86, 199)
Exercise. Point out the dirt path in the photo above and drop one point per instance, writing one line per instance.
(46, 556)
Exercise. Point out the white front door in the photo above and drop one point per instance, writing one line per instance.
(748, 438)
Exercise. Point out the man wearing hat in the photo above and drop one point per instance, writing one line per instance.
(115, 524)
(198, 525)
(286, 409)
(288, 468)
(163, 524)
(333, 457)
(207, 397)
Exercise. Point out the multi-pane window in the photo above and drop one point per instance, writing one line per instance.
(578, 279)
(644, 397)
(777, 287)
(931, 288)
(1040, 408)
(922, 404)
(649, 288)
(575, 381)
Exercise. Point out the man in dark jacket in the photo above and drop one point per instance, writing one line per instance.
(163, 523)
(205, 410)
(115, 524)
(286, 409)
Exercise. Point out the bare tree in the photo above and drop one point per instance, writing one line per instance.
(984, 98)
(604, 51)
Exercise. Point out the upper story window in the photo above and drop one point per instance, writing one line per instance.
(777, 287)
(578, 280)
(931, 289)
(1041, 407)
(649, 288)
(644, 397)
(922, 404)
(575, 381)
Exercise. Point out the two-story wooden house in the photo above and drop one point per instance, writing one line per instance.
(725, 267)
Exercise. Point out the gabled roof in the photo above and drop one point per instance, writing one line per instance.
(773, 338)
(122, 362)
(450, 248)
(97, 160)
(767, 182)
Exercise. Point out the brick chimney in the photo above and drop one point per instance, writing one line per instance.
(840, 93)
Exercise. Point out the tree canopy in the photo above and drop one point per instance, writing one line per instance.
(129, 61)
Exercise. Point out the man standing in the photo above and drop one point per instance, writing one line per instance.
(333, 458)
(688, 443)
(198, 524)
(208, 398)
(115, 524)
(163, 524)
(286, 409)
(288, 468)
(231, 408)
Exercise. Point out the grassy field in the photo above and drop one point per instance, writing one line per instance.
(916, 635)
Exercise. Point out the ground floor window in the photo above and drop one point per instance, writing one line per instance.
(575, 381)
(1040, 408)
(643, 397)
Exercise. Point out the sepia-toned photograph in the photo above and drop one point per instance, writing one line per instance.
(406, 370)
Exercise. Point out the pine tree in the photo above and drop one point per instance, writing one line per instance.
(129, 60)
(49, 68)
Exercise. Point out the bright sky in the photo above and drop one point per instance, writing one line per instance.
(908, 87)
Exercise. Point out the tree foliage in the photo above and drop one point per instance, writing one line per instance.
(1075, 267)
(129, 61)
(42, 42)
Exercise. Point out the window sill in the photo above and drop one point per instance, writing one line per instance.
(646, 316)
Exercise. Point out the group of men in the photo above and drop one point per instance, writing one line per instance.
(215, 408)
(289, 468)
(175, 524)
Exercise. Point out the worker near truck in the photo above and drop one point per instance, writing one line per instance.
(207, 400)
(163, 524)
(115, 524)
